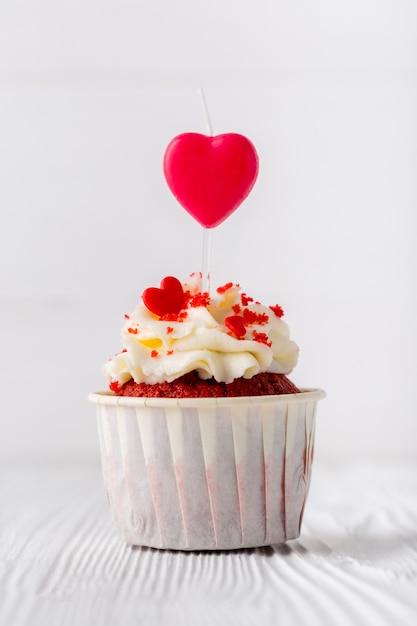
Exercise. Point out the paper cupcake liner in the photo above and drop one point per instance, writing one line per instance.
(211, 473)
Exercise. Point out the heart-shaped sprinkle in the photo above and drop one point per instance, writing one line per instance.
(168, 298)
(210, 176)
(236, 324)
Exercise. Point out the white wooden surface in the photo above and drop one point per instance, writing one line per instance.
(61, 561)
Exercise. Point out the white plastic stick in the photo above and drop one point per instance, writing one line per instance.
(205, 111)
(206, 231)
(206, 260)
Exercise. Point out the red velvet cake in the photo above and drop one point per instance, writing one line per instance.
(191, 386)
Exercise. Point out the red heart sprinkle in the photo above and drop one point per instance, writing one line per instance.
(169, 298)
(210, 176)
(236, 324)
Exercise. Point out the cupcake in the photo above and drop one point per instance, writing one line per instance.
(206, 444)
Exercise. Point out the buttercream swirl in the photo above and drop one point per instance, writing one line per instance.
(225, 335)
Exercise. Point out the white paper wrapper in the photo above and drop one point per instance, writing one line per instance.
(207, 473)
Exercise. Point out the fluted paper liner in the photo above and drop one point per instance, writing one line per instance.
(207, 473)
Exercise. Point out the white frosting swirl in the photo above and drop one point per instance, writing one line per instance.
(158, 350)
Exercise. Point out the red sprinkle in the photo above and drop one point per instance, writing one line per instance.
(174, 317)
(187, 298)
(169, 330)
(261, 338)
(236, 308)
(279, 311)
(224, 288)
(132, 331)
(127, 317)
(169, 352)
(154, 354)
(245, 299)
(200, 299)
(114, 386)
(121, 352)
(251, 317)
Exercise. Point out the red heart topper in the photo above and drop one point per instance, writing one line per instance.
(236, 324)
(210, 176)
(169, 298)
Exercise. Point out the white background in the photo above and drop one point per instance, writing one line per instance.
(91, 92)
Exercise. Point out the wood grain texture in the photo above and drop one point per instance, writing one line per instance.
(61, 561)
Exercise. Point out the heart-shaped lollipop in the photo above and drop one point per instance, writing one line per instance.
(168, 298)
(210, 176)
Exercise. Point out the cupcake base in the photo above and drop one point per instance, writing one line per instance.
(192, 386)
(207, 474)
